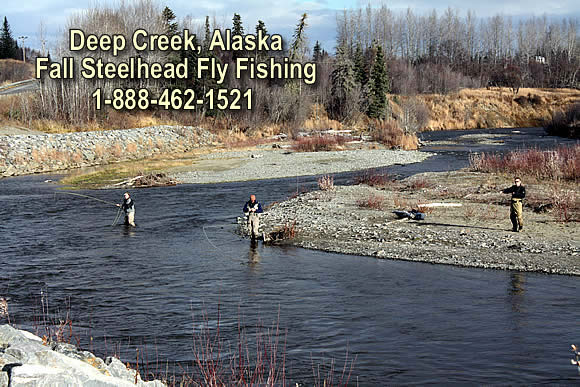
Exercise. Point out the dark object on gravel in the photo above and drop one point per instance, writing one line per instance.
(413, 214)
(543, 207)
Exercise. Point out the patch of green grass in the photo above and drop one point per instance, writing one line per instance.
(111, 174)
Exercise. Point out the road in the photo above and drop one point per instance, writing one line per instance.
(19, 87)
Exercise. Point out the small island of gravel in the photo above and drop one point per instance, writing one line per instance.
(263, 163)
(359, 220)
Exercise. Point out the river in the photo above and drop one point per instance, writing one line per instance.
(405, 322)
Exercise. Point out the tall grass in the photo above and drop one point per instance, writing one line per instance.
(562, 162)
(389, 133)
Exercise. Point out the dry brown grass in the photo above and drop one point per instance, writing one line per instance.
(318, 120)
(496, 107)
(389, 133)
(12, 70)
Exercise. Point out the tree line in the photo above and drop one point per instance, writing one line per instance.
(377, 52)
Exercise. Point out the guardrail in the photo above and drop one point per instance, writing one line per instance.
(16, 84)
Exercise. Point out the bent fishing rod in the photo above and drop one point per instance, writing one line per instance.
(86, 196)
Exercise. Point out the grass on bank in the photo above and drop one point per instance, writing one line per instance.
(114, 173)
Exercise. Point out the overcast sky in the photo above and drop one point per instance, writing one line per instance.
(24, 16)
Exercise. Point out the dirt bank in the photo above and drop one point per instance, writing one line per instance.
(496, 107)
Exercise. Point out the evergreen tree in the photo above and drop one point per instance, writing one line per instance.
(299, 40)
(317, 52)
(237, 28)
(261, 55)
(360, 68)
(171, 27)
(207, 38)
(261, 27)
(8, 46)
(379, 87)
(343, 86)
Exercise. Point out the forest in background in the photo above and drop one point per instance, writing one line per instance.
(383, 64)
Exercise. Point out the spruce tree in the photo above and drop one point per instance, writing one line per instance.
(317, 52)
(207, 38)
(360, 69)
(168, 17)
(379, 87)
(299, 40)
(171, 28)
(343, 85)
(7, 43)
(261, 27)
(261, 55)
(237, 28)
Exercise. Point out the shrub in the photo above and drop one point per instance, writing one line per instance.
(414, 115)
(326, 183)
(419, 183)
(562, 162)
(389, 133)
(564, 204)
(373, 201)
(374, 178)
(318, 143)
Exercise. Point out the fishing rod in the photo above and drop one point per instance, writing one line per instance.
(85, 196)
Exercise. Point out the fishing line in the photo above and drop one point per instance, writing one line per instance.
(85, 196)
(117, 217)
(207, 237)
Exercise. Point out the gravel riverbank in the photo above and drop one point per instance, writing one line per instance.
(474, 235)
(279, 163)
(40, 153)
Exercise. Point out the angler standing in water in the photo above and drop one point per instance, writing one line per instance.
(128, 207)
(253, 209)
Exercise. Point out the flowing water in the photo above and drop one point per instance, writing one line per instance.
(405, 322)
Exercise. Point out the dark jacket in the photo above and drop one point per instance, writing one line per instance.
(517, 192)
(249, 205)
(128, 205)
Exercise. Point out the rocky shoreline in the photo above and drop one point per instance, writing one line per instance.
(476, 234)
(41, 153)
(26, 361)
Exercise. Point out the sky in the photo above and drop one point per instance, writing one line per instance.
(24, 16)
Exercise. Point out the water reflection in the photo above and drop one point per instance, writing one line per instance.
(253, 253)
(516, 291)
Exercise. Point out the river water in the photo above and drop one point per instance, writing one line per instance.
(405, 322)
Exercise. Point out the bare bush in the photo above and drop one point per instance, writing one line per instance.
(318, 143)
(389, 133)
(326, 183)
(414, 115)
(373, 201)
(559, 163)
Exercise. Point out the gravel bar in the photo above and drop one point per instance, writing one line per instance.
(271, 164)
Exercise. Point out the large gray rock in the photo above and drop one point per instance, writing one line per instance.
(4, 379)
(26, 362)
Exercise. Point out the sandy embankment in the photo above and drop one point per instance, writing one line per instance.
(475, 234)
